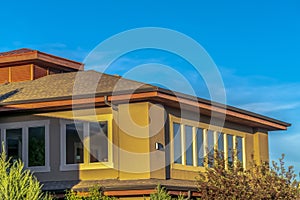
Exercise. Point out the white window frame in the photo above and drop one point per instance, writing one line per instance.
(205, 128)
(25, 125)
(86, 145)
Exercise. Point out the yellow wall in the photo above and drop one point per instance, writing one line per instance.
(133, 132)
(136, 129)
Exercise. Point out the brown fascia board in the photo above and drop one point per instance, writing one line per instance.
(40, 57)
(223, 106)
(153, 94)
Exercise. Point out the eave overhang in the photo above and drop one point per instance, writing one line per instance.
(40, 58)
(164, 97)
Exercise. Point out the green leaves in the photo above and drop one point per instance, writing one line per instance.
(94, 193)
(259, 182)
(17, 183)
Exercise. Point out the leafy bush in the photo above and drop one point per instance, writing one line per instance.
(93, 194)
(259, 182)
(162, 194)
(17, 183)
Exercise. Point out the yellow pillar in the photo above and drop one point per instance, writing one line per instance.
(260, 146)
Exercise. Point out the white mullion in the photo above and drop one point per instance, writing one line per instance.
(244, 152)
(226, 150)
(205, 146)
(195, 153)
(183, 156)
(86, 143)
(234, 150)
(3, 139)
(216, 141)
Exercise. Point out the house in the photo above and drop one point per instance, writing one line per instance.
(76, 128)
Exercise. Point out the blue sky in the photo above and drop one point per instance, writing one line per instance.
(255, 44)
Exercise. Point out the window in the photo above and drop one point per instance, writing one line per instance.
(189, 145)
(14, 144)
(177, 143)
(210, 147)
(239, 148)
(200, 147)
(98, 142)
(230, 151)
(87, 145)
(28, 141)
(36, 146)
(74, 144)
(193, 145)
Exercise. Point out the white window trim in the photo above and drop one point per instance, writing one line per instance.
(86, 165)
(25, 125)
(205, 128)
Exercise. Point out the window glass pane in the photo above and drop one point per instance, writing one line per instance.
(200, 148)
(239, 146)
(74, 145)
(14, 143)
(230, 150)
(36, 146)
(177, 143)
(221, 145)
(98, 142)
(210, 147)
(189, 145)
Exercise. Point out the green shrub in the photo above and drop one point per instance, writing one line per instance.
(93, 194)
(162, 194)
(259, 182)
(17, 183)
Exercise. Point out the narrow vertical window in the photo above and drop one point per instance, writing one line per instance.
(189, 145)
(177, 143)
(74, 144)
(98, 142)
(230, 150)
(200, 147)
(14, 143)
(221, 144)
(239, 147)
(210, 147)
(36, 146)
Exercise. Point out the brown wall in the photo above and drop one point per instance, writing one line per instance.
(21, 73)
(4, 75)
(39, 72)
(16, 73)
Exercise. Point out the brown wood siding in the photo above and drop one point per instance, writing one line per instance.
(21, 73)
(54, 71)
(4, 75)
(39, 72)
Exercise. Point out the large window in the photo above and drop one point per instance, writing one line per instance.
(74, 144)
(98, 142)
(36, 146)
(28, 141)
(195, 146)
(14, 144)
(86, 145)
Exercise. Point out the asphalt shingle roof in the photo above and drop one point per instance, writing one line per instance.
(66, 85)
(109, 184)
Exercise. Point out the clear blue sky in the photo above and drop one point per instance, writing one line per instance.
(255, 44)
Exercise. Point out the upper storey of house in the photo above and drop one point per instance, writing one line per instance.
(26, 64)
(35, 81)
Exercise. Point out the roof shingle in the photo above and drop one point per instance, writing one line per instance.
(66, 85)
